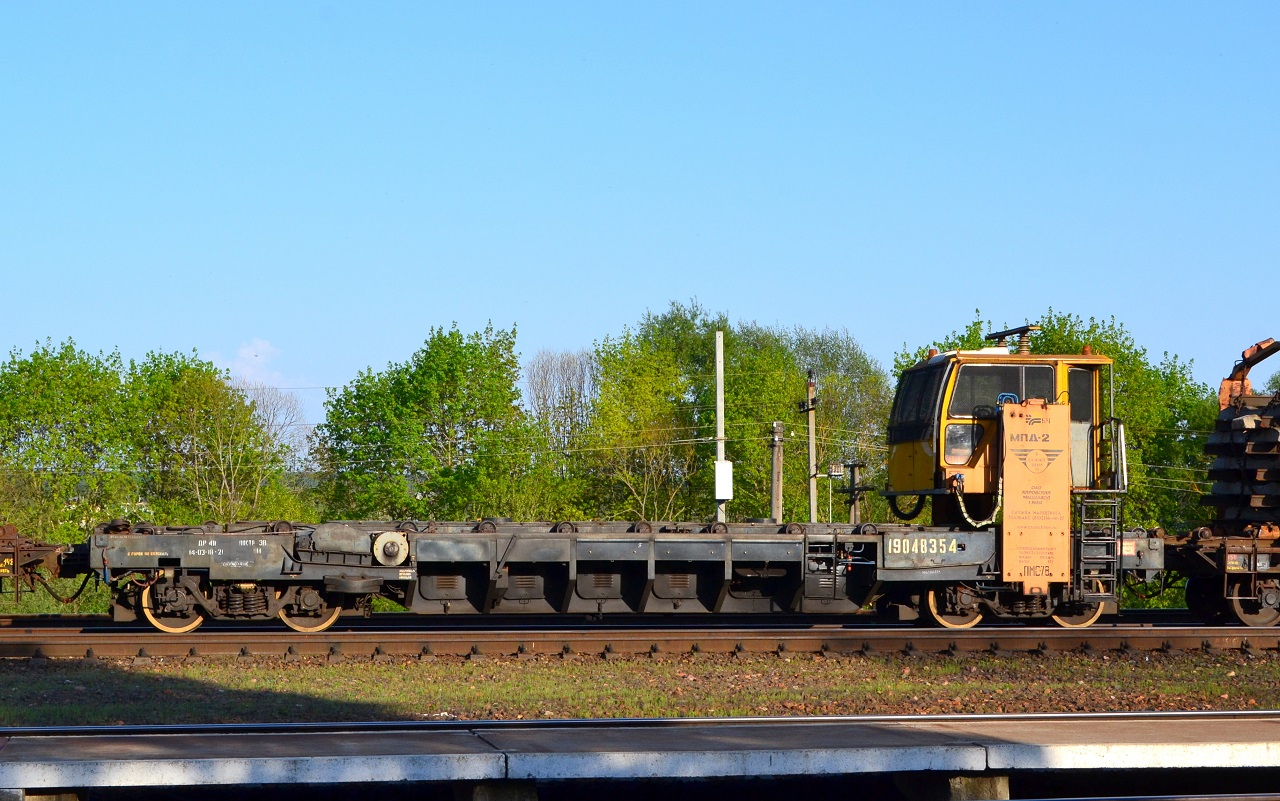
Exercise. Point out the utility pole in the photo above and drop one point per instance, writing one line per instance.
(775, 502)
(724, 469)
(856, 491)
(811, 405)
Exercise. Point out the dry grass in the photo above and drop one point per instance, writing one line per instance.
(230, 690)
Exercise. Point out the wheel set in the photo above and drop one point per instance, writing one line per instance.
(177, 608)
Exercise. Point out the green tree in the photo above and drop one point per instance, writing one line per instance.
(1167, 416)
(63, 443)
(639, 451)
(669, 361)
(205, 448)
(421, 439)
(84, 439)
(763, 383)
(854, 398)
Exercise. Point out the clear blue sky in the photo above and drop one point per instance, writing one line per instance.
(300, 191)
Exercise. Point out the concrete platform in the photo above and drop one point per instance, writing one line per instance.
(176, 760)
(491, 755)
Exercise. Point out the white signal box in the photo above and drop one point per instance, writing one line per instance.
(724, 480)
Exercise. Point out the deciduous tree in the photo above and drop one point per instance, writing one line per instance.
(63, 440)
(416, 439)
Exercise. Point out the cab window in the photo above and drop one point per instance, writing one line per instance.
(915, 404)
(979, 386)
(1080, 388)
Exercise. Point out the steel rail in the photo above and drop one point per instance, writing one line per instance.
(600, 641)
(408, 620)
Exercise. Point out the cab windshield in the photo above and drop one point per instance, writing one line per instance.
(979, 387)
(915, 404)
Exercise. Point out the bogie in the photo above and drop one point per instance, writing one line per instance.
(170, 608)
(951, 607)
(308, 609)
(1253, 602)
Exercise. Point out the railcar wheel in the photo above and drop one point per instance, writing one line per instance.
(1087, 616)
(935, 602)
(170, 623)
(1249, 610)
(1205, 601)
(1079, 620)
(322, 617)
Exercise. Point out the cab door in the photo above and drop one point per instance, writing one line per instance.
(1082, 387)
(913, 430)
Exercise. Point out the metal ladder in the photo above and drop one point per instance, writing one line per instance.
(1097, 542)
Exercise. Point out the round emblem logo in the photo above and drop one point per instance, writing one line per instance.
(1037, 461)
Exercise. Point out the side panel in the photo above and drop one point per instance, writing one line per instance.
(227, 557)
(1037, 494)
(911, 466)
(936, 547)
(457, 549)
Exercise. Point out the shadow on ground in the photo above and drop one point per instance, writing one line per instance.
(84, 693)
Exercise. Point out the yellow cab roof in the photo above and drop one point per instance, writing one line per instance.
(999, 354)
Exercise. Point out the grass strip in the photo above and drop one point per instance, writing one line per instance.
(229, 690)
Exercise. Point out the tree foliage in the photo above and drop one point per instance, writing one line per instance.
(85, 438)
(854, 400)
(625, 430)
(420, 438)
(669, 446)
(207, 450)
(639, 446)
(1166, 412)
(63, 439)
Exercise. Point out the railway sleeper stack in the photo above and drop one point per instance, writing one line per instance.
(1245, 446)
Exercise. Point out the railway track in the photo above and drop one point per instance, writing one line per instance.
(367, 643)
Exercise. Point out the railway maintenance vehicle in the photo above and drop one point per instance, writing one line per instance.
(1017, 458)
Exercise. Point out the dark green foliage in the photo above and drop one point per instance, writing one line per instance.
(422, 438)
